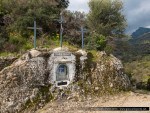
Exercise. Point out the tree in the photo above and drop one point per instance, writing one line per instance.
(17, 15)
(22, 13)
(3, 31)
(72, 26)
(96, 41)
(106, 18)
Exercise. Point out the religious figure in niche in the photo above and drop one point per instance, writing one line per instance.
(62, 72)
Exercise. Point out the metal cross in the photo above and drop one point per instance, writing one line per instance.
(82, 32)
(34, 28)
(61, 21)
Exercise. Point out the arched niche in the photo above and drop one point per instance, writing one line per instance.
(62, 72)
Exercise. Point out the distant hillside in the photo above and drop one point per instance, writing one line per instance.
(134, 48)
(140, 32)
(142, 39)
(140, 42)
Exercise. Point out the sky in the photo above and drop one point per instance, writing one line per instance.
(137, 12)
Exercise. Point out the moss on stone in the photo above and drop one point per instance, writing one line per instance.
(88, 83)
(44, 94)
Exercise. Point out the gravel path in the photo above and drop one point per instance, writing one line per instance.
(129, 99)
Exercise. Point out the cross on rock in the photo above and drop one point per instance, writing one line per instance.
(35, 29)
(82, 32)
(61, 21)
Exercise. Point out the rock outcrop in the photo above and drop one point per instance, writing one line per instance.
(25, 83)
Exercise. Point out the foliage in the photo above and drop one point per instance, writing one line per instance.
(3, 36)
(108, 49)
(24, 12)
(17, 15)
(7, 54)
(20, 14)
(3, 32)
(100, 42)
(72, 27)
(106, 18)
(27, 46)
(97, 42)
(139, 70)
(16, 39)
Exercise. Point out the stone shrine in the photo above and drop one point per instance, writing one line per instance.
(32, 79)
(62, 66)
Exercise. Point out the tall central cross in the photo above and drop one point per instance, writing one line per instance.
(61, 29)
(82, 32)
(35, 29)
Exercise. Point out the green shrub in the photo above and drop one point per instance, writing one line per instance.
(3, 37)
(96, 42)
(100, 42)
(27, 46)
(108, 49)
(138, 70)
(16, 39)
(6, 54)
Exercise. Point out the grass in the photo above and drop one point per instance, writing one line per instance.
(27, 46)
(7, 54)
(19, 45)
(95, 56)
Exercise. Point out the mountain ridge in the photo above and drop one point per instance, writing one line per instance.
(140, 31)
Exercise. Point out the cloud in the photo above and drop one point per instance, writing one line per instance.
(137, 12)
(79, 5)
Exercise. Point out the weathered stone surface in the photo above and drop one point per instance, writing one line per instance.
(105, 74)
(60, 49)
(34, 53)
(84, 53)
(26, 83)
(19, 83)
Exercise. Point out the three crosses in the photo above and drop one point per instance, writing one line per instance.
(61, 32)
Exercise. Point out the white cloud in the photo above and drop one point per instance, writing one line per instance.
(79, 5)
(147, 26)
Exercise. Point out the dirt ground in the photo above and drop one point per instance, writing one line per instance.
(128, 99)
